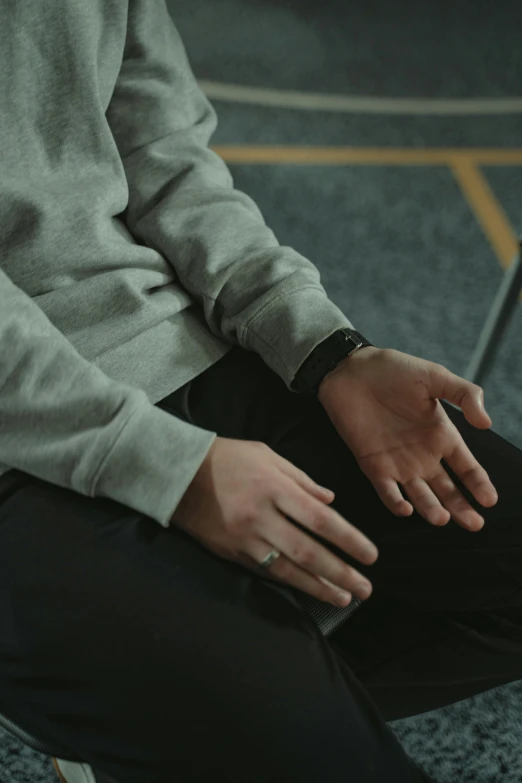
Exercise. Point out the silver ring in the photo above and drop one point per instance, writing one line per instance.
(274, 554)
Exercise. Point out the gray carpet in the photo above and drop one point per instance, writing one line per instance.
(397, 247)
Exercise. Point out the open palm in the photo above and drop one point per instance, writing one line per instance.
(385, 405)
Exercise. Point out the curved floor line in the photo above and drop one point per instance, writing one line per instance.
(293, 99)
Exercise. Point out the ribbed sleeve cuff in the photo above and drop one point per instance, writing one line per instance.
(153, 462)
(287, 332)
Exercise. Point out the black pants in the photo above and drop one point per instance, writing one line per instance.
(159, 661)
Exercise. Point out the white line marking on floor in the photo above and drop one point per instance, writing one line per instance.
(292, 99)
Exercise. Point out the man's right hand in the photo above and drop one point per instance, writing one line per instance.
(236, 504)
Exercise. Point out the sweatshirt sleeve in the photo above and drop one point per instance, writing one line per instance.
(66, 422)
(182, 202)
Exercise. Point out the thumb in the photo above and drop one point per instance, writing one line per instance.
(467, 396)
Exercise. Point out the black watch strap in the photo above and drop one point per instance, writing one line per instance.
(325, 357)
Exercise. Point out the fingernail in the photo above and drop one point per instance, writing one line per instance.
(369, 553)
(363, 590)
(344, 599)
(328, 491)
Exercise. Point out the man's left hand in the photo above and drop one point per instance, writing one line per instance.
(385, 406)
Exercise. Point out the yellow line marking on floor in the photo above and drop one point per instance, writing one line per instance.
(365, 155)
(492, 157)
(463, 162)
(488, 211)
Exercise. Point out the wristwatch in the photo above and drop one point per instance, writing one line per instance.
(325, 357)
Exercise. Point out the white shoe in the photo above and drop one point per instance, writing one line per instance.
(73, 772)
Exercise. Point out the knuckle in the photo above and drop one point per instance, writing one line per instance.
(259, 482)
(320, 521)
(249, 516)
(305, 557)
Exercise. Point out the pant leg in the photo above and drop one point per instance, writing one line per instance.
(461, 592)
(444, 621)
(150, 657)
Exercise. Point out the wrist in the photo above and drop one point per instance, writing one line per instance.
(350, 363)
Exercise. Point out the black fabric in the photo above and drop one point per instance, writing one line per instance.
(153, 659)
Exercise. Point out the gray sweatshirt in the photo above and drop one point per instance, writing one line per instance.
(129, 264)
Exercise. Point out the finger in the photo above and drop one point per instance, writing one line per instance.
(453, 499)
(472, 474)
(307, 553)
(467, 396)
(389, 492)
(283, 570)
(326, 522)
(425, 502)
(303, 479)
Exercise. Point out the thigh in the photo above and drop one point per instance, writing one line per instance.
(142, 651)
(419, 565)
(442, 596)
(412, 662)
